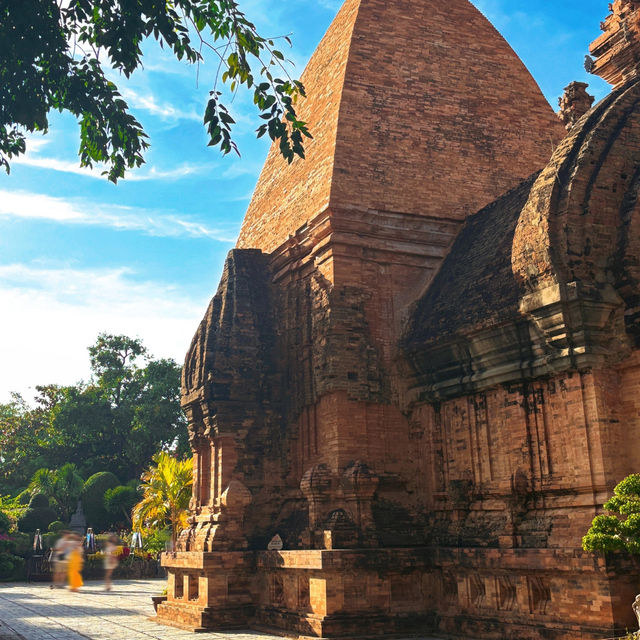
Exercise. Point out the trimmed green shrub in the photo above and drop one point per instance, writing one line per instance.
(119, 501)
(11, 564)
(620, 531)
(39, 501)
(23, 543)
(92, 497)
(5, 522)
(33, 519)
(49, 540)
(11, 567)
(56, 526)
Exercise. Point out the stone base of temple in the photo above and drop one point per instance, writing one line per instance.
(479, 593)
(194, 617)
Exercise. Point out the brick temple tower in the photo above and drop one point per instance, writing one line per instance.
(368, 381)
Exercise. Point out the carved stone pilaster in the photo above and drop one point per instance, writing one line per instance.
(316, 487)
(223, 530)
(359, 487)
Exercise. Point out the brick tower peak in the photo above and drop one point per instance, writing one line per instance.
(574, 103)
(407, 119)
(617, 50)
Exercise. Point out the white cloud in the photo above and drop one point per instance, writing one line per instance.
(60, 311)
(57, 165)
(35, 206)
(147, 102)
(32, 158)
(153, 173)
(242, 167)
(132, 175)
(168, 65)
(35, 142)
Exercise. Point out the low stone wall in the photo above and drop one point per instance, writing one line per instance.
(469, 593)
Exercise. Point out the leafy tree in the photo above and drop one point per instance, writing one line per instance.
(10, 511)
(145, 410)
(619, 532)
(166, 492)
(114, 364)
(61, 486)
(22, 430)
(57, 55)
(80, 430)
(129, 410)
(158, 419)
(38, 515)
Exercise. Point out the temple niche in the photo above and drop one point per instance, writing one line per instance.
(418, 379)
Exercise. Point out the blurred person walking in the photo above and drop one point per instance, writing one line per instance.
(60, 558)
(110, 560)
(76, 560)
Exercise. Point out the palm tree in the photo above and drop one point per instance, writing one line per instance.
(166, 491)
(43, 481)
(67, 486)
(63, 485)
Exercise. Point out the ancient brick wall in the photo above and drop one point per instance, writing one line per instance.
(428, 407)
(525, 465)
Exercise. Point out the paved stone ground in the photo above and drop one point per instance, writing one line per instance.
(36, 612)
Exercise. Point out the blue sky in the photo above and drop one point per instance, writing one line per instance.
(79, 255)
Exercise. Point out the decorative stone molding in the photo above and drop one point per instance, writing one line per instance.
(617, 50)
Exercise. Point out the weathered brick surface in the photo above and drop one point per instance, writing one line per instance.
(416, 107)
(429, 411)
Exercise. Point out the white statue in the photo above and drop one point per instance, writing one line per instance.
(636, 608)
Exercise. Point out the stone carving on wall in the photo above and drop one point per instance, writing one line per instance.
(507, 595)
(340, 508)
(539, 595)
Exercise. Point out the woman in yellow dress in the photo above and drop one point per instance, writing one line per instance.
(74, 569)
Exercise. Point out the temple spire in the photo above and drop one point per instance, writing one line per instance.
(617, 51)
(574, 103)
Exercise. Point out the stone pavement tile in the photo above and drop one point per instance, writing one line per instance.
(6, 633)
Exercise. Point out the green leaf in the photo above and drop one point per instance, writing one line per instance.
(39, 37)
